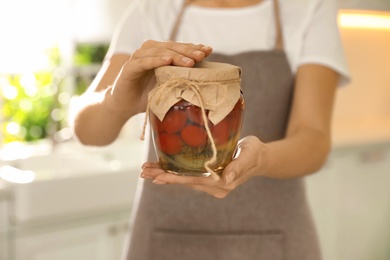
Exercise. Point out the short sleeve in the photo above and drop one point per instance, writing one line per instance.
(322, 42)
(143, 20)
(129, 32)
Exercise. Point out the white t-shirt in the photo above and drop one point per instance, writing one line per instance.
(309, 29)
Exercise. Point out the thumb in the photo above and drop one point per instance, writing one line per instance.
(245, 160)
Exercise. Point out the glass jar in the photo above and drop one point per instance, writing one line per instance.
(182, 143)
(186, 140)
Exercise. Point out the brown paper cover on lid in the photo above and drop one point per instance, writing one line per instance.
(214, 85)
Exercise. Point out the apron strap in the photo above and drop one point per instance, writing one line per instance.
(278, 23)
(279, 33)
(176, 25)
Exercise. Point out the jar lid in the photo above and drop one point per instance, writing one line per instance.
(202, 71)
(210, 85)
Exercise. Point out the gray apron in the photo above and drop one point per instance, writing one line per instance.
(265, 219)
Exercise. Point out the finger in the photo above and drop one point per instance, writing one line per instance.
(134, 67)
(183, 48)
(200, 47)
(217, 192)
(150, 165)
(189, 180)
(229, 176)
(192, 51)
(244, 163)
(177, 58)
(162, 54)
(151, 171)
(183, 54)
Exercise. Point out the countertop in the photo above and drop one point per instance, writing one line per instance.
(346, 134)
(3, 189)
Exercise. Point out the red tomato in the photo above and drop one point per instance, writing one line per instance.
(234, 119)
(194, 136)
(240, 105)
(194, 113)
(156, 123)
(170, 143)
(220, 132)
(174, 120)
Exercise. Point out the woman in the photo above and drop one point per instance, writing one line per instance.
(291, 57)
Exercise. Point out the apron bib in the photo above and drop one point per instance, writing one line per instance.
(264, 219)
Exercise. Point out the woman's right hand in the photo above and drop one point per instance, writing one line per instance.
(136, 77)
(121, 88)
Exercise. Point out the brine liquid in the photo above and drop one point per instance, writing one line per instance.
(182, 143)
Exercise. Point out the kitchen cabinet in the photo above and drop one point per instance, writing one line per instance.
(94, 238)
(4, 229)
(77, 206)
(350, 198)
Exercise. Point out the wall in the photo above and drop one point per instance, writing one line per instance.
(94, 20)
(362, 109)
(366, 4)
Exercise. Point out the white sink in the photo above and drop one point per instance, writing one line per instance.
(75, 182)
(59, 165)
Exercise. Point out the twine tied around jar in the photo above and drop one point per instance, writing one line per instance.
(195, 86)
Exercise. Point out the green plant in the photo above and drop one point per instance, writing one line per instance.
(27, 106)
(88, 53)
(30, 110)
(31, 104)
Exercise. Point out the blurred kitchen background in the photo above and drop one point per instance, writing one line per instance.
(60, 200)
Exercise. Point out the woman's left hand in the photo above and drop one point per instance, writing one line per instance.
(245, 165)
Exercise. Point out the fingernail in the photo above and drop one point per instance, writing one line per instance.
(230, 177)
(144, 176)
(206, 48)
(166, 58)
(159, 182)
(186, 60)
(197, 52)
